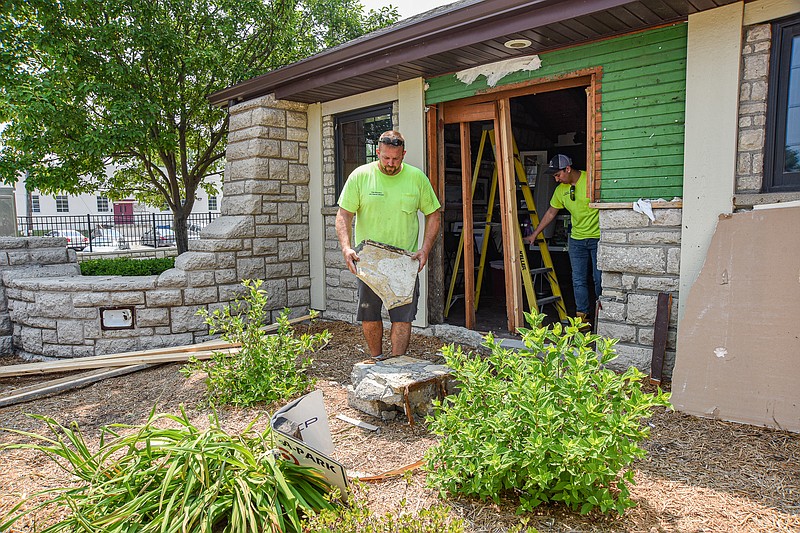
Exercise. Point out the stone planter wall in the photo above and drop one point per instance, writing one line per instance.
(639, 259)
(29, 258)
(48, 309)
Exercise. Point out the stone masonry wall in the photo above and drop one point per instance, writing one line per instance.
(341, 284)
(753, 108)
(48, 309)
(266, 188)
(639, 259)
(44, 256)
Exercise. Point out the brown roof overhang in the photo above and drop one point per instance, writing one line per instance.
(455, 37)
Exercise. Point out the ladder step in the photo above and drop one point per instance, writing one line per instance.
(541, 270)
(544, 301)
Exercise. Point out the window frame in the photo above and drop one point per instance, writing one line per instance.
(36, 205)
(352, 116)
(62, 198)
(103, 200)
(784, 31)
(213, 200)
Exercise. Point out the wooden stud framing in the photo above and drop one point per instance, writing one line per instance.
(508, 213)
(467, 227)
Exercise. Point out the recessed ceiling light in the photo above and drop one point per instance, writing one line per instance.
(517, 43)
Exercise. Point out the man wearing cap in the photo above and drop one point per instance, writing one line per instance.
(384, 196)
(571, 193)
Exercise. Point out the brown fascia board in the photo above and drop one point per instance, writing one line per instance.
(441, 32)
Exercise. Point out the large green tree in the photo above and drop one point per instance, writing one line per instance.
(88, 85)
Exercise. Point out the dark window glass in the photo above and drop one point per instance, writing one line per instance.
(782, 162)
(357, 135)
(62, 204)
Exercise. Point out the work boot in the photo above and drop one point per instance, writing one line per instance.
(586, 325)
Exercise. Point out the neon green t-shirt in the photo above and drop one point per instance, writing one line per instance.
(386, 206)
(585, 219)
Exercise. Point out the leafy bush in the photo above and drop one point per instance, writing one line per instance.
(545, 424)
(357, 518)
(268, 368)
(125, 266)
(178, 479)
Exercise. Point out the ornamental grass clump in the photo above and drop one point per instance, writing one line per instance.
(177, 478)
(268, 367)
(548, 423)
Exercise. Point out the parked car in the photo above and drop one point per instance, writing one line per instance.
(161, 237)
(105, 238)
(193, 231)
(75, 239)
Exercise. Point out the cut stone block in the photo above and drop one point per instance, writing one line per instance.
(388, 271)
(402, 386)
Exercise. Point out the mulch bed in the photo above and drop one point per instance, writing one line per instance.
(698, 475)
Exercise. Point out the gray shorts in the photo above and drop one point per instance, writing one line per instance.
(370, 304)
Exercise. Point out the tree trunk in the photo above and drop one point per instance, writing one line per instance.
(179, 218)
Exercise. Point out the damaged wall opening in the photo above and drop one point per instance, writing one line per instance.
(542, 124)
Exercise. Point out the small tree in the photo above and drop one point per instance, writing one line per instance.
(267, 368)
(548, 423)
(111, 95)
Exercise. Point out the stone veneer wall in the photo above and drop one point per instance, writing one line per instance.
(28, 257)
(639, 259)
(262, 234)
(753, 108)
(341, 284)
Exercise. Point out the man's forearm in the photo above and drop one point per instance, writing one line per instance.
(432, 224)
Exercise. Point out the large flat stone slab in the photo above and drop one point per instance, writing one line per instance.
(388, 271)
(403, 386)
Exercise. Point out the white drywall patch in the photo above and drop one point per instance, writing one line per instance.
(497, 71)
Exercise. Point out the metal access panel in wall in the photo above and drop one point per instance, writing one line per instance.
(8, 213)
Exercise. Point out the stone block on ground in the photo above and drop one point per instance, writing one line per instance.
(388, 388)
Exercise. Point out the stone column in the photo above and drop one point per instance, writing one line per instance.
(639, 259)
(265, 207)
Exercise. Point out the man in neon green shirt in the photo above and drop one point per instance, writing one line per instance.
(571, 193)
(384, 196)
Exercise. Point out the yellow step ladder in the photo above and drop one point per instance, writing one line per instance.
(527, 273)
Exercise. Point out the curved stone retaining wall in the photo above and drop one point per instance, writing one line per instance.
(48, 309)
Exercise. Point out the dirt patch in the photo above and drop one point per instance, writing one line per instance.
(698, 475)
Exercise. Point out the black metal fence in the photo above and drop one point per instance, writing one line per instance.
(113, 231)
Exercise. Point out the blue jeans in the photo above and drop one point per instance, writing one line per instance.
(583, 259)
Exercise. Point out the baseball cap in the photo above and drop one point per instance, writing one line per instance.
(559, 162)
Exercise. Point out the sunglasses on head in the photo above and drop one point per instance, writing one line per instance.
(389, 140)
(572, 192)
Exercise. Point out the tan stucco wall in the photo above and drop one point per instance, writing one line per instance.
(712, 99)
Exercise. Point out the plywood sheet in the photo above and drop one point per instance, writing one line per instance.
(738, 353)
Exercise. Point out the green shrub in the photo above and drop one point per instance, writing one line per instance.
(125, 266)
(268, 368)
(177, 479)
(548, 423)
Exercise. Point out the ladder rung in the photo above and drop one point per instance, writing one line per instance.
(541, 270)
(548, 300)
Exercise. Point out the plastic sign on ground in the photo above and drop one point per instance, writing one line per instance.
(303, 436)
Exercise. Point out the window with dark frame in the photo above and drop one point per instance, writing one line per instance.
(62, 204)
(102, 204)
(782, 147)
(35, 206)
(212, 203)
(356, 137)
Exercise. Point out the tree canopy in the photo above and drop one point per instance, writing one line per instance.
(111, 96)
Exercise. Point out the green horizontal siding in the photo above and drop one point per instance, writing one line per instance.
(643, 95)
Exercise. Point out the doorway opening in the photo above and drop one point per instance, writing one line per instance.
(542, 124)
